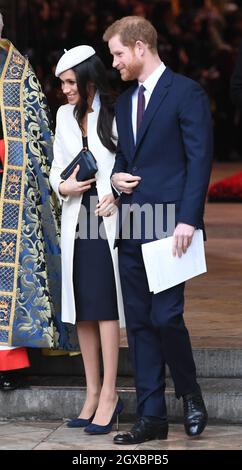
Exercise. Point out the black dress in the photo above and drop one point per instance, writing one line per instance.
(93, 273)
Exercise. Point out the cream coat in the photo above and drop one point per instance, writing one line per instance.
(67, 144)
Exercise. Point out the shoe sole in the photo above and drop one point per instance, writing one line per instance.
(139, 441)
(97, 433)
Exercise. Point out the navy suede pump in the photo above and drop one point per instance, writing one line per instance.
(98, 429)
(80, 422)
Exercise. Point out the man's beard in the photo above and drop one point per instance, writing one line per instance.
(131, 72)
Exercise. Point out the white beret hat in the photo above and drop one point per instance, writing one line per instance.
(73, 57)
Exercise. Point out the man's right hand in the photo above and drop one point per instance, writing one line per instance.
(72, 187)
(125, 182)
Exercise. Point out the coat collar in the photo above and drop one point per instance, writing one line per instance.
(96, 102)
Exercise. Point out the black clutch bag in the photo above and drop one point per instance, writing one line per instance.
(87, 163)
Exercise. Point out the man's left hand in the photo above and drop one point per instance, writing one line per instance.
(182, 238)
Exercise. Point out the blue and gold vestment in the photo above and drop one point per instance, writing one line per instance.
(30, 279)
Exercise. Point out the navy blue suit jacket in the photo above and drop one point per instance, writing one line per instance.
(173, 151)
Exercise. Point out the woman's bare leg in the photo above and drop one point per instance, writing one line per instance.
(109, 334)
(89, 340)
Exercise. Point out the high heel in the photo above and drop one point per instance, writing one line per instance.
(80, 422)
(99, 429)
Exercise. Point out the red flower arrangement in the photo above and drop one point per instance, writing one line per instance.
(227, 190)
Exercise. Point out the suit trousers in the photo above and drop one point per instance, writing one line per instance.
(157, 334)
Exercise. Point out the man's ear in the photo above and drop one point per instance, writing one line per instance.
(140, 47)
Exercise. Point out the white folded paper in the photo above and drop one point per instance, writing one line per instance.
(164, 270)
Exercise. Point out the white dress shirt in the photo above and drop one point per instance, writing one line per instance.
(149, 85)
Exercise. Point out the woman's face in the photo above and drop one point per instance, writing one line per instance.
(69, 86)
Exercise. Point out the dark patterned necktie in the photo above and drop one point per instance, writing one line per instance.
(140, 106)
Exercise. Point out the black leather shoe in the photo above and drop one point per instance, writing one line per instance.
(9, 382)
(195, 414)
(145, 429)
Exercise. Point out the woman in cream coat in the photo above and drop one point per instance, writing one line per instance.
(91, 294)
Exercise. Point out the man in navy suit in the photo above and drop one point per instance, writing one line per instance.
(164, 157)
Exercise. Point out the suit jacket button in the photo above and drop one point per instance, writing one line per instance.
(134, 168)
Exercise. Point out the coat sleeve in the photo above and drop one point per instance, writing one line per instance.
(196, 128)
(120, 164)
(58, 164)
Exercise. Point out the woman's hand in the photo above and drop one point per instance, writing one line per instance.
(72, 187)
(107, 206)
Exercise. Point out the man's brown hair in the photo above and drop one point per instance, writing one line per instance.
(131, 29)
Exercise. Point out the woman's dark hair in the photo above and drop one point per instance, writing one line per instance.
(93, 71)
